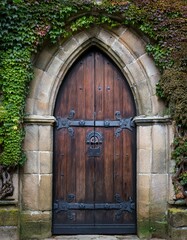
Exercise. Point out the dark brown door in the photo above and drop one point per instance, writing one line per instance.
(94, 150)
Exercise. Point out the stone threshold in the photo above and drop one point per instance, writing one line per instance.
(97, 237)
(94, 237)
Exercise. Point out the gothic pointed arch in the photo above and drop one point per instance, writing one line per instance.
(122, 45)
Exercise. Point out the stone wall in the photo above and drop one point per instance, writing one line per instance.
(154, 136)
(9, 220)
(177, 223)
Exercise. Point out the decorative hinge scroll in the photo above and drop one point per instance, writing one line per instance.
(66, 122)
(125, 123)
(69, 123)
(120, 206)
(128, 206)
(65, 206)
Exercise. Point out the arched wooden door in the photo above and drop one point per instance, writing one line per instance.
(94, 150)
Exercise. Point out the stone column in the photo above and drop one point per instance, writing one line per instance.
(37, 177)
(153, 153)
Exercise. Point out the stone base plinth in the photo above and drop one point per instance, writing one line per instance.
(177, 223)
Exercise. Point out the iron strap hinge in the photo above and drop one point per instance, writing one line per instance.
(120, 206)
(69, 122)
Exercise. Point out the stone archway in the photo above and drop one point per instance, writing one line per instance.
(154, 133)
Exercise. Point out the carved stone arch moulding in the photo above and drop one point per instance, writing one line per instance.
(122, 45)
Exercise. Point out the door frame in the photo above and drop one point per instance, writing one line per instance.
(90, 58)
(127, 50)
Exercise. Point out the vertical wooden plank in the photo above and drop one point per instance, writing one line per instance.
(118, 155)
(109, 136)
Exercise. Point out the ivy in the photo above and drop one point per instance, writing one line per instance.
(160, 55)
(15, 74)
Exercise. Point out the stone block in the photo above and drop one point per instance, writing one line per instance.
(144, 137)
(158, 106)
(46, 159)
(34, 83)
(143, 195)
(93, 32)
(51, 48)
(45, 192)
(159, 229)
(35, 230)
(177, 233)
(67, 49)
(159, 148)
(134, 42)
(149, 65)
(122, 52)
(105, 37)
(29, 105)
(43, 60)
(30, 191)
(81, 37)
(144, 100)
(43, 92)
(35, 225)
(55, 66)
(137, 71)
(45, 138)
(31, 138)
(9, 233)
(144, 160)
(9, 216)
(31, 165)
(35, 216)
(41, 107)
(177, 217)
(119, 31)
(158, 195)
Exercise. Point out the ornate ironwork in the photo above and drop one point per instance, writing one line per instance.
(65, 206)
(120, 206)
(6, 183)
(125, 123)
(66, 123)
(94, 139)
(121, 123)
(128, 206)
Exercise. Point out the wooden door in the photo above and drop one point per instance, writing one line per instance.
(94, 190)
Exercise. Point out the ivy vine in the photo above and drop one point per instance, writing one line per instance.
(26, 24)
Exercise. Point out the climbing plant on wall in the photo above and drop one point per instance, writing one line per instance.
(26, 24)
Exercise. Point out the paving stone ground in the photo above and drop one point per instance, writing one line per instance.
(96, 237)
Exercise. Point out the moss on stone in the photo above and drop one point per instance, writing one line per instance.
(35, 226)
(9, 216)
(159, 229)
(177, 217)
(35, 230)
(177, 233)
(144, 229)
(177, 210)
